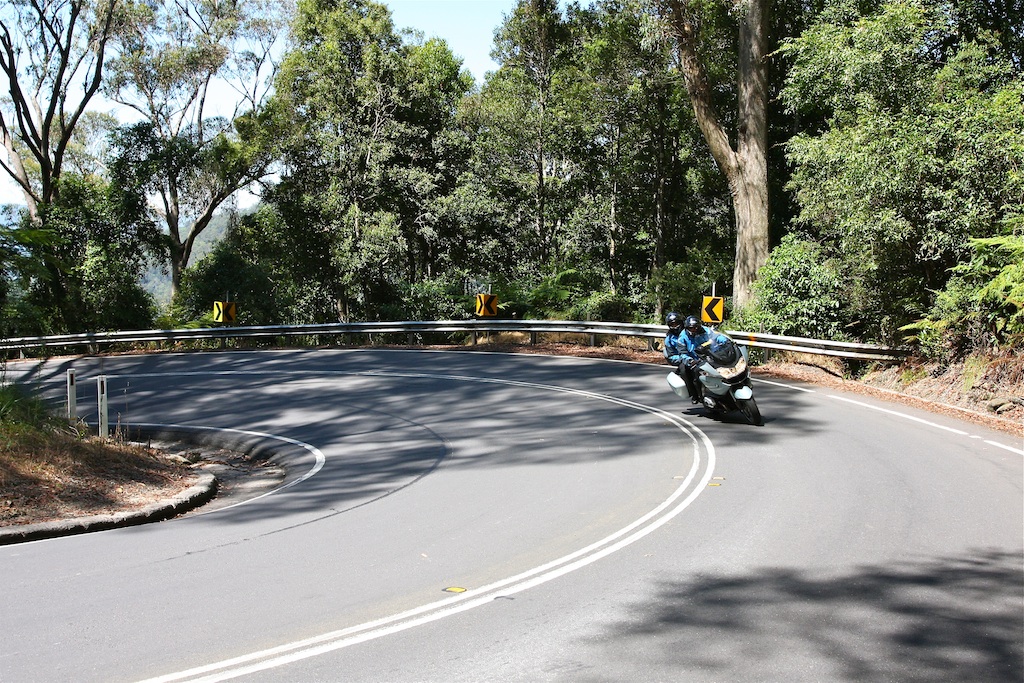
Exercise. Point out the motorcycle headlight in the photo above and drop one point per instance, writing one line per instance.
(734, 371)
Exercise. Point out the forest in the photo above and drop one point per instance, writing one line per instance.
(840, 169)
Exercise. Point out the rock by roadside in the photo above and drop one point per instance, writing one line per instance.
(239, 476)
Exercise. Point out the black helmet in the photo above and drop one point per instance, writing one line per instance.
(692, 325)
(674, 322)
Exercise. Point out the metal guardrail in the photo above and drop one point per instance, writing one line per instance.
(93, 340)
(820, 347)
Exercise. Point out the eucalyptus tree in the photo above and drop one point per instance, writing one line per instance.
(699, 29)
(531, 47)
(53, 54)
(430, 155)
(176, 62)
(370, 155)
(613, 66)
(663, 206)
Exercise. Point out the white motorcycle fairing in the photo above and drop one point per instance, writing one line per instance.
(678, 385)
(743, 393)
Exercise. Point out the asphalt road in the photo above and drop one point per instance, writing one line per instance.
(487, 517)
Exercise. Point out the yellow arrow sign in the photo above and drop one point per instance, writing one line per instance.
(713, 309)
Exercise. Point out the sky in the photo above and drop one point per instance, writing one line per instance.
(466, 25)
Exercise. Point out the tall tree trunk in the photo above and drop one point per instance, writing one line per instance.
(746, 167)
(750, 189)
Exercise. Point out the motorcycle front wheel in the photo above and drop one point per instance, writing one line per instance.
(750, 411)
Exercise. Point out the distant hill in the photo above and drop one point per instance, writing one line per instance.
(157, 278)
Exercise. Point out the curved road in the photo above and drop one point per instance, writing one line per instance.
(487, 517)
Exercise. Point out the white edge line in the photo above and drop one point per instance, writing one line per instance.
(784, 386)
(1004, 446)
(899, 414)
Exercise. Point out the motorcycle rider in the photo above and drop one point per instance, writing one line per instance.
(681, 343)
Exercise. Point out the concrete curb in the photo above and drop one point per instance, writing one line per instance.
(201, 493)
(192, 497)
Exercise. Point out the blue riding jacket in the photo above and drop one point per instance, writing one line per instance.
(679, 347)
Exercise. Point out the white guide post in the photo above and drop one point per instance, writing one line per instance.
(72, 397)
(101, 405)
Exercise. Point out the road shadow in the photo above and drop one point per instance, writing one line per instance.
(390, 417)
(956, 618)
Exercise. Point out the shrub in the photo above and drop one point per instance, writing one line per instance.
(798, 293)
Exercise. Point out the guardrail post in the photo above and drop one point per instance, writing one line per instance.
(533, 338)
(72, 397)
(101, 405)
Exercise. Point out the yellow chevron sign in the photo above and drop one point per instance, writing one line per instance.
(224, 311)
(486, 305)
(712, 309)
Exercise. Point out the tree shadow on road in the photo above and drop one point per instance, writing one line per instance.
(957, 618)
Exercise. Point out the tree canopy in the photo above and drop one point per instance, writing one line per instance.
(843, 169)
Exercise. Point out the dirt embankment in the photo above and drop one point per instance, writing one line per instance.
(995, 404)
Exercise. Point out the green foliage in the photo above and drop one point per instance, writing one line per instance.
(799, 293)
(19, 407)
(225, 275)
(571, 173)
(431, 299)
(550, 295)
(82, 273)
(112, 296)
(372, 153)
(602, 306)
(982, 306)
(575, 175)
(920, 155)
(682, 286)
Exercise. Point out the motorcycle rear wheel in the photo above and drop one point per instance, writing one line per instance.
(750, 411)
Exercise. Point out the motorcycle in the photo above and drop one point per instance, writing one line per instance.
(723, 379)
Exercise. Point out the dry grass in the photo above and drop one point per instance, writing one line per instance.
(47, 474)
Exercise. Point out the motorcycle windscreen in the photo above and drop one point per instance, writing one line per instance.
(725, 354)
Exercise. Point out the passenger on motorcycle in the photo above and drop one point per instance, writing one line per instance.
(681, 343)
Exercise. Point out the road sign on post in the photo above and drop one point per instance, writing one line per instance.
(712, 309)
(224, 311)
(487, 305)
